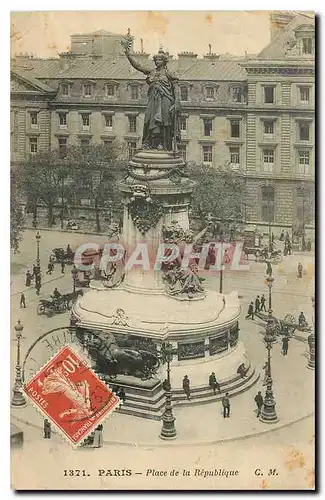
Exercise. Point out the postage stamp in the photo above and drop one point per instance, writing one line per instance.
(71, 395)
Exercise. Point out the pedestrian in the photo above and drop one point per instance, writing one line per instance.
(98, 437)
(186, 387)
(50, 268)
(226, 406)
(213, 383)
(259, 403)
(250, 312)
(121, 395)
(47, 429)
(226, 258)
(308, 246)
(22, 300)
(302, 319)
(62, 266)
(35, 271)
(272, 238)
(28, 278)
(282, 235)
(300, 270)
(285, 345)
(285, 251)
(242, 370)
(287, 237)
(257, 304)
(263, 301)
(289, 248)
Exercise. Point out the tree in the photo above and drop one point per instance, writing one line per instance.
(16, 212)
(219, 192)
(98, 168)
(43, 177)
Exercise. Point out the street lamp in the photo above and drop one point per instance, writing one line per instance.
(268, 414)
(311, 341)
(168, 430)
(38, 262)
(270, 281)
(18, 399)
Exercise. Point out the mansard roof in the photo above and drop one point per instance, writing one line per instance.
(278, 47)
(23, 82)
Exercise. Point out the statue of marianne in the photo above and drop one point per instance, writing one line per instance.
(161, 121)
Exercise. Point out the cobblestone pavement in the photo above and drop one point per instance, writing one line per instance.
(293, 383)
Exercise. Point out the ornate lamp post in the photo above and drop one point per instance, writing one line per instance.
(311, 341)
(18, 399)
(268, 414)
(270, 281)
(38, 238)
(168, 430)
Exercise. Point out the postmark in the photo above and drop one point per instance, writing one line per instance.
(71, 395)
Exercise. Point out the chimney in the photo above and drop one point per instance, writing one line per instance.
(141, 42)
(278, 21)
(209, 48)
(185, 59)
(212, 56)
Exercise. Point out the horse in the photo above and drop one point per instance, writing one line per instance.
(71, 297)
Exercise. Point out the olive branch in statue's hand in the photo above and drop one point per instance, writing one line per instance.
(126, 42)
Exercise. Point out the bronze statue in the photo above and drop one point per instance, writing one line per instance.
(161, 121)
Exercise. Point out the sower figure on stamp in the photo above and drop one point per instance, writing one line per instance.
(161, 122)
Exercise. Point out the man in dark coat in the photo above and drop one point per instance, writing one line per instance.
(300, 270)
(62, 266)
(213, 383)
(226, 405)
(186, 387)
(22, 300)
(47, 429)
(242, 370)
(121, 395)
(282, 235)
(257, 304)
(259, 402)
(250, 312)
(285, 345)
(263, 300)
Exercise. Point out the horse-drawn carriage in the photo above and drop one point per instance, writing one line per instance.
(286, 326)
(58, 304)
(59, 255)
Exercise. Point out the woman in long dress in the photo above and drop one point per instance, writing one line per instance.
(161, 123)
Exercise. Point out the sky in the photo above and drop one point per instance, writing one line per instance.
(45, 34)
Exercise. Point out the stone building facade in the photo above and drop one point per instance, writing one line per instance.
(257, 114)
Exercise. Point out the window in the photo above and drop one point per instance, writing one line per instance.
(183, 123)
(108, 122)
(303, 131)
(268, 203)
(134, 92)
(64, 89)
(62, 146)
(236, 94)
(307, 46)
(234, 128)
(304, 162)
(207, 154)
(207, 127)
(304, 94)
(269, 94)
(268, 160)
(132, 149)
(63, 120)
(269, 128)
(132, 123)
(33, 145)
(110, 90)
(33, 119)
(184, 93)
(182, 151)
(87, 90)
(85, 121)
(210, 92)
(234, 157)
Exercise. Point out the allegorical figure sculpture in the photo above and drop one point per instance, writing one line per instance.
(161, 121)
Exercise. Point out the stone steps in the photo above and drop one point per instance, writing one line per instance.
(152, 407)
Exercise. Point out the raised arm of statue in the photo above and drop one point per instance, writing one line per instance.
(137, 65)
